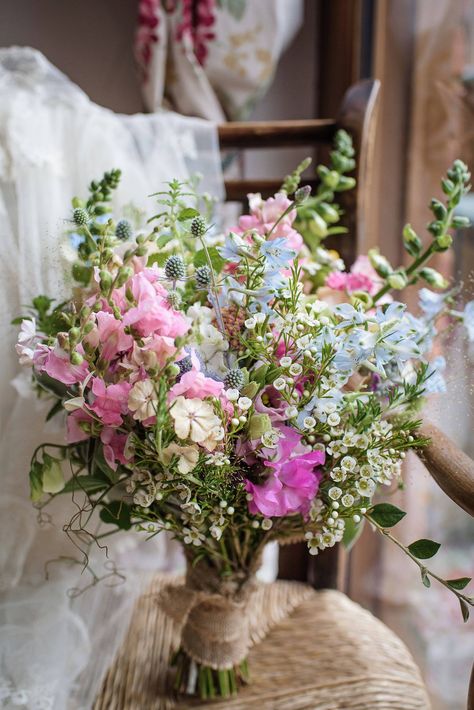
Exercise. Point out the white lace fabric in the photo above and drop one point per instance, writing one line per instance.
(54, 651)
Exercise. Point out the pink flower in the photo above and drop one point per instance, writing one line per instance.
(112, 337)
(56, 364)
(114, 447)
(152, 314)
(110, 402)
(361, 277)
(194, 384)
(290, 487)
(75, 432)
(263, 216)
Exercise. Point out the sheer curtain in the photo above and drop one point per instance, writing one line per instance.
(55, 649)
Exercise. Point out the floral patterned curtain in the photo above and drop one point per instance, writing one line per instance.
(212, 58)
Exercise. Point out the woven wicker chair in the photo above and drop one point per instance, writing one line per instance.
(320, 651)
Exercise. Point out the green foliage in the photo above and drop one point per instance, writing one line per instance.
(117, 513)
(385, 514)
(200, 259)
(424, 549)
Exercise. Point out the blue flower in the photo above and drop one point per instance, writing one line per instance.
(468, 319)
(234, 248)
(431, 303)
(277, 255)
(435, 381)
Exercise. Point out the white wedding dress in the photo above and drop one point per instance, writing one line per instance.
(53, 140)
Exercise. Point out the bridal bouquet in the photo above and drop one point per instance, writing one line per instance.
(213, 390)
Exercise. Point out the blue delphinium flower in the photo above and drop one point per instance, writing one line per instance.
(234, 248)
(277, 254)
(431, 303)
(435, 382)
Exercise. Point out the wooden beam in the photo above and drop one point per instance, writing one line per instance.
(275, 134)
(237, 190)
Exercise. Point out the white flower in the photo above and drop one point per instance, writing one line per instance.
(334, 493)
(142, 400)
(216, 532)
(260, 317)
(250, 323)
(144, 498)
(232, 395)
(244, 403)
(218, 459)
(187, 456)
(194, 419)
(309, 422)
(296, 369)
(291, 412)
(27, 338)
(271, 438)
(348, 464)
(285, 361)
(366, 487)
(267, 523)
(338, 475)
(347, 500)
(333, 419)
(192, 536)
(279, 384)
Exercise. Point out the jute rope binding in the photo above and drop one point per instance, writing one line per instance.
(310, 651)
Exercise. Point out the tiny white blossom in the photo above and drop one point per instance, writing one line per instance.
(333, 419)
(232, 395)
(250, 323)
(285, 361)
(366, 487)
(309, 422)
(271, 438)
(296, 369)
(347, 500)
(244, 403)
(279, 384)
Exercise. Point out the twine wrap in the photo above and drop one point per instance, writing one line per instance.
(213, 615)
(310, 651)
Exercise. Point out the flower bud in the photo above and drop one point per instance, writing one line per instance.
(460, 222)
(74, 334)
(433, 278)
(411, 240)
(302, 194)
(379, 263)
(443, 242)
(105, 280)
(76, 358)
(397, 280)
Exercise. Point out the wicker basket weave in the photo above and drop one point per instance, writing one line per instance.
(313, 651)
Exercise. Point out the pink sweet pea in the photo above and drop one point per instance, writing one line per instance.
(290, 487)
(114, 447)
(75, 433)
(110, 402)
(111, 335)
(56, 364)
(194, 384)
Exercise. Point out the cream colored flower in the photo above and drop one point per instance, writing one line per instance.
(142, 400)
(193, 419)
(187, 456)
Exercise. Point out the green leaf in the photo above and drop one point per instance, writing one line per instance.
(424, 549)
(386, 514)
(187, 213)
(158, 259)
(425, 578)
(55, 409)
(163, 240)
(464, 609)
(36, 482)
(89, 484)
(259, 374)
(200, 259)
(53, 478)
(19, 320)
(460, 583)
(352, 532)
(116, 513)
